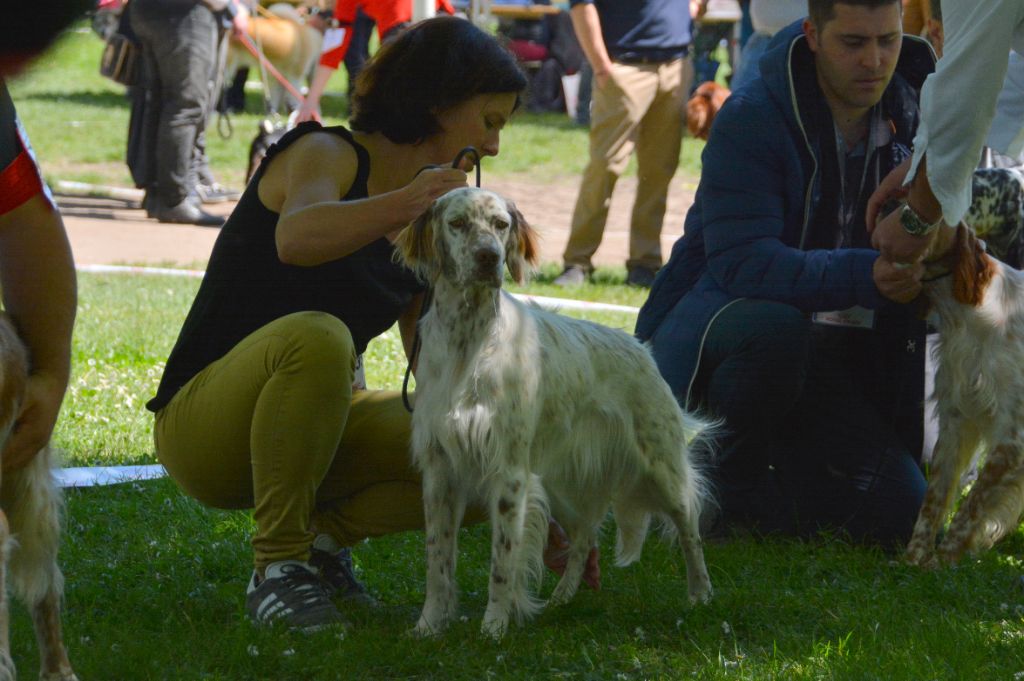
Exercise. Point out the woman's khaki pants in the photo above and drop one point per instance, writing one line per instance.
(274, 426)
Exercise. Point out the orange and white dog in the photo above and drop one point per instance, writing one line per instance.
(978, 303)
(288, 42)
(29, 529)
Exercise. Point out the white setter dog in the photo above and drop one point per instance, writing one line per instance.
(526, 411)
(29, 529)
(979, 383)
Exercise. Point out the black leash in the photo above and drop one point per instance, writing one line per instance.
(428, 294)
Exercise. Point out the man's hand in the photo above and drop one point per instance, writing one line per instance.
(556, 556)
(899, 282)
(896, 244)
(34, 425)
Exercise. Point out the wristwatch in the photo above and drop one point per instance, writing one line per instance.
(914, 224)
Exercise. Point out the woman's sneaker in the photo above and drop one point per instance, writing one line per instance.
(290, 593)
(337, 574)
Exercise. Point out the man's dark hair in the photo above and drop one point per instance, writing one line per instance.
(431, 67)
(936, 10)
(823, 11)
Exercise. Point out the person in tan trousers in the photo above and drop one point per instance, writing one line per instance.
(642, 73)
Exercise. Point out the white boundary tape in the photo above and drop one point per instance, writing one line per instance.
(543, 301)
(93, 476)
(111, 475)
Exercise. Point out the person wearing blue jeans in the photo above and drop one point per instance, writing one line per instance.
(775, 315)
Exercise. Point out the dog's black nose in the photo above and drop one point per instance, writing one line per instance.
(486, 257)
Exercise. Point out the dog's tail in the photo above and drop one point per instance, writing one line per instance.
(531, 559)
(34, 507)
(684, 492)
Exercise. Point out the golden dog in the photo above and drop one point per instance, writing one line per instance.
(29, 528)
(289, 43)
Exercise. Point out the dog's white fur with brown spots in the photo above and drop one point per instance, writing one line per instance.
(527, 412)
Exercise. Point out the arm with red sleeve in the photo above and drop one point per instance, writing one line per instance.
(386, 13)
(37, 277)
(335, 45)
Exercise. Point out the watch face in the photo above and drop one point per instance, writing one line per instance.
(912, 223)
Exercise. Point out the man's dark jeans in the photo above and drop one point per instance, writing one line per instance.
(804, 448)
(180, 44)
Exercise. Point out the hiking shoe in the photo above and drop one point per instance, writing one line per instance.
(338, 577)
(641, 276)
(572, 275)
(290, 593)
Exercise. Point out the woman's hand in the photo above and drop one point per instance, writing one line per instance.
(34, 426)
(429, 184)
(309, 110)
(889, 189)
(556, 556)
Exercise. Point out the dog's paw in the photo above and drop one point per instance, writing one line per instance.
(7, 671)
(494, 629)
(701, 594)
(562, 594)
(65, 675)
(425, 629)
(919, 556)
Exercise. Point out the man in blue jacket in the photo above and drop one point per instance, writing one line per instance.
(775, 314)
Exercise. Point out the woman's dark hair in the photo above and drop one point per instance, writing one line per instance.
(431, 67)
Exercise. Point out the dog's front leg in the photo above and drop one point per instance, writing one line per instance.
(992, 509)
(54, 657)
(443, 506)
(956, 442)
(507, 589)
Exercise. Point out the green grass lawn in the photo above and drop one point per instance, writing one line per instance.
(78, 122)
(156, 582)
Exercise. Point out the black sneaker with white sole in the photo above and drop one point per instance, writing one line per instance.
(290, 593)
(337, 574)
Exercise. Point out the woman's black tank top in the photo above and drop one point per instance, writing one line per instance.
(247, 286)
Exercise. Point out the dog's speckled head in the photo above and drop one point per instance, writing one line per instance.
(468, 236)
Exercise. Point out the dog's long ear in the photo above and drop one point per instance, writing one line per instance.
(414, 246)
(523, 256)
(973, 270)
(697, 116)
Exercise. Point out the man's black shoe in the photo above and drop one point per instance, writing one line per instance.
(187, 213)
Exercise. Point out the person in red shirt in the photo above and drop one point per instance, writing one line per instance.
(391, 17)
(37, 274)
